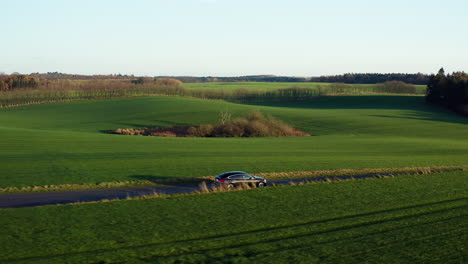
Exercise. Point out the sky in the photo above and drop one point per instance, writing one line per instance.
(233, 37)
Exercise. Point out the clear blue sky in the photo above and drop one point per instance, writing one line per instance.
(233, 37)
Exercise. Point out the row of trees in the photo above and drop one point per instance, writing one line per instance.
(62, 76)
(450, 91)
(159, 82)
(350, 78)
(372, 78)
(250, 78)
(9, 82)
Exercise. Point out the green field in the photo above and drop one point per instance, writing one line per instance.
(259, 86)
(65, 142)
(267, 86)
(406, 219)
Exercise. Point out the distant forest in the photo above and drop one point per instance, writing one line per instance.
(373, 78)
(350, 78)
(449, 90)
(66, 76)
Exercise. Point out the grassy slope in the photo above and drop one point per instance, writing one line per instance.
(407, 219)
(266, 86)
(63, 143)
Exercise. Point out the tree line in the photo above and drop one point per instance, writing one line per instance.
(10, 82)
(250, 78)
(373, 78)
(349, 78)
(62, 76)
(449, 90)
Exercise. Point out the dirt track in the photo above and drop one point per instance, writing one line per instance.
(15, 200)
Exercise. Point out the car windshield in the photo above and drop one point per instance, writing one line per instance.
(227, 174)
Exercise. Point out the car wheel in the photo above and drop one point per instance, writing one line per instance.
(231, 186)
(261, 184)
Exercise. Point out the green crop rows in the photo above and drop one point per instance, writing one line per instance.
(64, 143)
(268, 86)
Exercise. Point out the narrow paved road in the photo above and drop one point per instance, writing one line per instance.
(15, 200)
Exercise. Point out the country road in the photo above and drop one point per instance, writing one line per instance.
(16, 200)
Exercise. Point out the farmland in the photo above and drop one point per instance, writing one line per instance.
(66, 90)
(64, 143)
(406, 219)
(265, 86)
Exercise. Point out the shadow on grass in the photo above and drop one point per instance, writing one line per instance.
(420, 109)
(436, 116)
(355, 102)
(354, 239)
(448, 206)
(356, 224)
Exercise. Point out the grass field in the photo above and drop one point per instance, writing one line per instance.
(258, 86)
(406, 219)
(268, 86)
(65, 142)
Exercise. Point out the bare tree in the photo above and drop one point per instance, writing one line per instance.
(225, 117)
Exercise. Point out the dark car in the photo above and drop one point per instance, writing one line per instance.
(233, 178)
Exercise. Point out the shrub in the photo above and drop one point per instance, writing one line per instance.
(200, 131)
(168, 82)
(163, 134)
(257, 128)
(255, 124)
